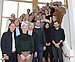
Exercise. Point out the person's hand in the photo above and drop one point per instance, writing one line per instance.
(57, 45)
(59, 42)
(22, 57)
(48, 44)
(44, 48)
(28, 57)
(6, 57)
(35, 54)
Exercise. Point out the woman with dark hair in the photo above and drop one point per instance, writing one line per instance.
(8, 44)
(47, 13)
(48, 43)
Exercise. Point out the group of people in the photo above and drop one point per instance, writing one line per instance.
(34, 35)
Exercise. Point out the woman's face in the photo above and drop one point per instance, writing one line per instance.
(12, 27)
(46, 11)
(31, 18)
(27, 17)
(54, 18)
(21, 18)
(47, 26)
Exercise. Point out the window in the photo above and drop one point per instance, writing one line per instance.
(23, 6)
(45, 1)
(18, 0)
(28, 0)
(4, 21)
(40, 5)
(9, 7)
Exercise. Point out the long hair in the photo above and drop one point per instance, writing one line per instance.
(46, 29)
(58, 15)
(9, 25)
(47, 32)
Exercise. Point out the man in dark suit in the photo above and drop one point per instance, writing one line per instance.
(8, 44)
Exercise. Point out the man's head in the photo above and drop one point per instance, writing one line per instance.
(28, 11)
(13, 16)
(56, 24)
(38, 23)
(24, 28)
(16, 22)
(43, 15)
(31, 26)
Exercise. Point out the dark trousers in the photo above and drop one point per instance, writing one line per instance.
(48, 50)
(12, 58)
(57, 53)
(39, 55)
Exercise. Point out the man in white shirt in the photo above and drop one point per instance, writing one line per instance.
(18, 28)
(43, 20)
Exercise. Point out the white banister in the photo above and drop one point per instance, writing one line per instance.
(69, 27)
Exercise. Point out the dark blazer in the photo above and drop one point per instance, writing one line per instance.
(6, 43)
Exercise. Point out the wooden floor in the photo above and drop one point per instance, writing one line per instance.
(43, 59)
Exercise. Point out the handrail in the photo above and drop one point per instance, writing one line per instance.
(67, 56)
(2, 59)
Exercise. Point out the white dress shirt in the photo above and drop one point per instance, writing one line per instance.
(30, 32)
(17, 31)
(44, 20)
(13, 42)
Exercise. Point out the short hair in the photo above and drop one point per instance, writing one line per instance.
(12, 23)
(56, 5)
(12, 14)
(57, 22)
(38, 20)
(24, 25)
(28, 9)
(31, 23)
(43, 14)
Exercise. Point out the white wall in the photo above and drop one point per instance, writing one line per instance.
(0, 9)
(65, 25)
(71, 20)
(0, 23)
(72, 27)
(71, 4)
(0, 14)
(69, 26)
(67, 43)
